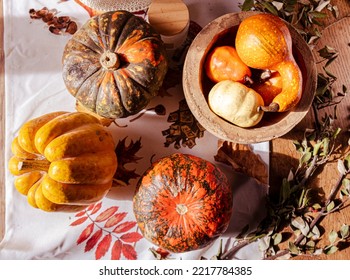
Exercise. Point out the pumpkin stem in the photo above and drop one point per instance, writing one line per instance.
(273, 107)
(110, 60)
(181, 209)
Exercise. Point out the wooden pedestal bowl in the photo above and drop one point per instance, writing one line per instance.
(197, 85)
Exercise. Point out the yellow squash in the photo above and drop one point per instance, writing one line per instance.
(63, 161)
(236, 103)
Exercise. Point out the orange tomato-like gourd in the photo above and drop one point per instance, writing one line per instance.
(223, 63)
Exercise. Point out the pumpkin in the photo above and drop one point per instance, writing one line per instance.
(223, 63)
(182, 203)
(236, 103)
(114, 64)
(263, 41)
(63, 161)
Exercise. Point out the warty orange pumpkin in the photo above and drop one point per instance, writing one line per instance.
(114, 64)
(182, 203)
(63, 161)
(263, 41)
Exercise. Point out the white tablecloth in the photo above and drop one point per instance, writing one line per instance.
(34, 86)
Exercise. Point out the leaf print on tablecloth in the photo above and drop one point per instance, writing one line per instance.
(107, 231)
(126, 154)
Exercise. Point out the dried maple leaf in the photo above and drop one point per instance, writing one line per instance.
(243, 160)
(126, 154)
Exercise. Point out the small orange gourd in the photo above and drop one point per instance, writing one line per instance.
(269, 88)
(223, 63)
(263, 41)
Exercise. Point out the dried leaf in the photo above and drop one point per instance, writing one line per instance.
(85, 233)
(116, 250)
(160, 254)
(126, 154)
(131, 237)
(247, 5)
(264, 243)
(106, 214)
(103, 246)
(129, 252)
(123, 227)
(79, 221)
(93, 240)
(80, 213)
(277, 238)
(243, 160)
(115, 219)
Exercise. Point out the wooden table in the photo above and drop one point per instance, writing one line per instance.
(283, 155)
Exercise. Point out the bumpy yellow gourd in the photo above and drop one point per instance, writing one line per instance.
(63, 161)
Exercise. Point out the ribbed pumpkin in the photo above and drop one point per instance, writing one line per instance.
(182, 203)
(63, 161)
(114, 64)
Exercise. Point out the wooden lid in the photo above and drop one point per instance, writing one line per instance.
(168, 17)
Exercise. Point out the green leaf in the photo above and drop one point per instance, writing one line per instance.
(247, 5)
(277, 238)
(332, 237)
(294, 250)
(316, 206)
(268, 6)
(331, 250)
(344, 231)
(330, 206)
(305, 157)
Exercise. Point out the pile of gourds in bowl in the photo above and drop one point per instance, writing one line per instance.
(113, 66)
(249, 77)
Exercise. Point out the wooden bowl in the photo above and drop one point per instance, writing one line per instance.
(197, 85)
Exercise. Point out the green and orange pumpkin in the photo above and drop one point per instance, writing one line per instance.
(182, 203)
(114, 64)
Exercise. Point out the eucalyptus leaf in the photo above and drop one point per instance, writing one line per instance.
(332, 236)
(316, 233)
(330, 206)
(277, 238)
(331, 250)
(344, 231)
(264, 243)
(323, 4)
(247, 5)
(341, 167)
(294, 250)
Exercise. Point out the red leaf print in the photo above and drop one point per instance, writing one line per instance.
(85, 233)
(80, 213)
(103, 246)
(79, 221)
(116, 250)
(129, 252)
(93, 240)
(112, 221)
(106, 214)
(124, 227)
(96, 207)
(131, 237)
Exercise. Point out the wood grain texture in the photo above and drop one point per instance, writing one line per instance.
(283, 155)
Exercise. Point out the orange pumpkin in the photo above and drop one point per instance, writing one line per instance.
(182, 203)
(263, 41)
